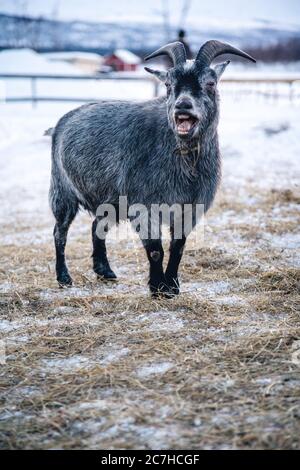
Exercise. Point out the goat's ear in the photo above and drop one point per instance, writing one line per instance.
(219, 68)
(162, 76)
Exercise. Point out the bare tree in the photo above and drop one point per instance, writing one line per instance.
(186, 6)
(21, 25)
(165, 11)
(56, 38)
(166, 19)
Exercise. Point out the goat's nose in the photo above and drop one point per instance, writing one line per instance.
(184, 103)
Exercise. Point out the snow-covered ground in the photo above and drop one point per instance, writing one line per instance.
(26, 61)
(258, 137)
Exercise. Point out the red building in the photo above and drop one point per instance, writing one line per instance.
(122, 60)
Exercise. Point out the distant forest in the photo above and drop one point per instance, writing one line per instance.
(286, 51)
(43, 35)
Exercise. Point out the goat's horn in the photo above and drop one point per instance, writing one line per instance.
(174, 50)
(212, 49)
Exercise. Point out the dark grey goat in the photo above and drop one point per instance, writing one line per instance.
(163, 151)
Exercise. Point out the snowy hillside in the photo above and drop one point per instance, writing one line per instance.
(44, 34)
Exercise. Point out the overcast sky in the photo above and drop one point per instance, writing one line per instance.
(283, 11)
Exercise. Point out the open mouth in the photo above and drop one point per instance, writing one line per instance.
(185, 123)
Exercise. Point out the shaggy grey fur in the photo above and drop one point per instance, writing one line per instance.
(108, 149)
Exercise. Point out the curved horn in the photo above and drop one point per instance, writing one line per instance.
(212, 49)
(175, 51)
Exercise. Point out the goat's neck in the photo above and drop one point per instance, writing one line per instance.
(194, 155)
(186, 148)
(196, 146)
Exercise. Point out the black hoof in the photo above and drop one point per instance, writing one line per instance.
(173, 291)
(173, 285)
(160, 290)
(165, 294)
(65, 280)
(105, 274)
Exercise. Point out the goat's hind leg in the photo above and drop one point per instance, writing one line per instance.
(64, 209)
(60, 239)
(100, 262)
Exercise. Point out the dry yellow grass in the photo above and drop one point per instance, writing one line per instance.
(105, 366)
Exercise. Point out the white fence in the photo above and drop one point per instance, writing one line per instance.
(269, 88)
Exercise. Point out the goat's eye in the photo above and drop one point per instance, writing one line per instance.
(168, 87)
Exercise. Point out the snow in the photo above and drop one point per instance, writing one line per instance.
(114, 355)
(7, 326)
(153, 369)
(261, 70)
(69, 363)
(288, 241)
(210, 288)
(26, 61)
(78, 361)
(248, 149)
(90, 90)
(6, 287)
(257, 153)
(230, 300)
(161, 321)
(74, 55)
(49, 294)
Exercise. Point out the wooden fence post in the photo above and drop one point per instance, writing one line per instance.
(33, 92)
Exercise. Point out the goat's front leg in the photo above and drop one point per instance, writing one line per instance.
(176, 252)
(100, 262)
(155, 254)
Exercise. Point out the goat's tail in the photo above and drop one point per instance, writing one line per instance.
(49, 131)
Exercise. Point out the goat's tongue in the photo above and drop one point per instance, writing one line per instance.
(184, 126)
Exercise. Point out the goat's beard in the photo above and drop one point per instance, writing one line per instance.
(186, 146)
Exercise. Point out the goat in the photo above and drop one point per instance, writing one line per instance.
(143, 151)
